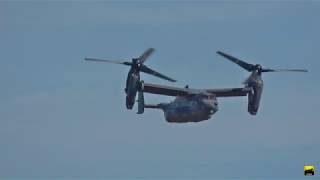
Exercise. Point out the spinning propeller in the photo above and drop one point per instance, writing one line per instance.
(137, 64)
(133, 83)
(254, 81)
(257, 67)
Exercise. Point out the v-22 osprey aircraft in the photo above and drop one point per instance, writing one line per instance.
(190, 105)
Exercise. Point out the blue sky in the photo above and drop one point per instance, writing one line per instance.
(63, 117)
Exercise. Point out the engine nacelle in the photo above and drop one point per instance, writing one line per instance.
(254, 96)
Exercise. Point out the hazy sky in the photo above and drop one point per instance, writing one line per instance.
(63, 117)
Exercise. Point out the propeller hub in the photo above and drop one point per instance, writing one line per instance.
(136, 63)
(258, 67)
(135, 60)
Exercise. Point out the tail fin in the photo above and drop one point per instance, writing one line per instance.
(140, 102)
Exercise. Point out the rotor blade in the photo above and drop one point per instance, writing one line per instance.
(108, 61)
(247, 66)
(284, 70)
(147, 70)
(145, 55)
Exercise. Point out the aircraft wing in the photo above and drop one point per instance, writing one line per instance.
(176, 91)
(229, 92)
(165, 90)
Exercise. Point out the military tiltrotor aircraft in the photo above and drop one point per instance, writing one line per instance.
(193, 105)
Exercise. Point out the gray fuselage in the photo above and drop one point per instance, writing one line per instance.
(190, 109)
